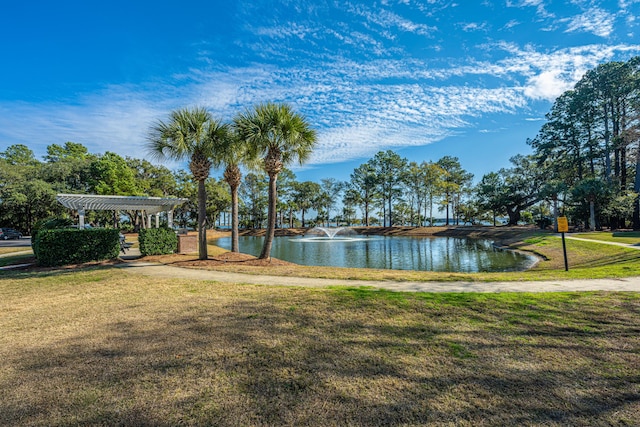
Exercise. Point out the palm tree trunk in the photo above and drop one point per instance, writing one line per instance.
(271, 217)
(202, 221)
(234, 219)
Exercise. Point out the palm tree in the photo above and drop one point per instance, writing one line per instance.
(233, 153)
(190, 134)
(277, 134)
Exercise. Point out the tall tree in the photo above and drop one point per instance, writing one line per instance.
(389, 169)
(280, 136)
(305, 196)
(363, 182)
(253, 191)
(332, 188)
(193, 135)
(233, 154)
(433, 185)
(67, 167)
(453, 181)
(592, 191)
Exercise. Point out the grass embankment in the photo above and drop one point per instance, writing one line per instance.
(104, 347)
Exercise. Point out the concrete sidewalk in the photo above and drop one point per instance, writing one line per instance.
(164, 271)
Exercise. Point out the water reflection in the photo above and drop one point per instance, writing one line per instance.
(401, 253)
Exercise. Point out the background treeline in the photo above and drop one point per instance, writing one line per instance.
(585, 163)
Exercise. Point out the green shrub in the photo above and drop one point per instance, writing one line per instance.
(157, 241)
(73, 246)
(48, 224)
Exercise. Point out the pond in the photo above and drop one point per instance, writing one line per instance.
(452, 254)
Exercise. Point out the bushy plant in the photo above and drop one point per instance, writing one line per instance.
(72, 246)
(157, 241)
(47, 224)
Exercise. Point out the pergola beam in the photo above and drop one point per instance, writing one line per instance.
(151, 205)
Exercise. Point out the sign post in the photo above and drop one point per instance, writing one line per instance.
(563, 227)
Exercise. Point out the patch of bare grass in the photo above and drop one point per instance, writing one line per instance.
(103, 347)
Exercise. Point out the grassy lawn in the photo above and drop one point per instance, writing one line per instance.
(16, 259)
(12, 250)
(103, 347)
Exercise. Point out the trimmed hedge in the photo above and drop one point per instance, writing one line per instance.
(157, 241)
(73, 246)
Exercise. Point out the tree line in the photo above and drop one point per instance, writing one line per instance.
(585, 164)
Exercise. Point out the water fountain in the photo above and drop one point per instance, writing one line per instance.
(326, 234)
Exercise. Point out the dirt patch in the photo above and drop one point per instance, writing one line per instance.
(31, 264)
(227, 258)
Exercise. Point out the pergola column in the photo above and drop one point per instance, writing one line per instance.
(157, 220)
(170, 218)
(81, 217)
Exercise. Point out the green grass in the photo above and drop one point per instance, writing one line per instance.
(10, 250)
(104, 347)
(16, 259)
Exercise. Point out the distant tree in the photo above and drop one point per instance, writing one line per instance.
(111, 175)
(592, 191)
(305, 196)
(253, 191)
(70, 150)
(389, 169)
(67, 168)
(363, 182)
(350, 200)
(152, 180)
(218, 199)
(433, 184)
(332, 188)
(19, 155)
(489, 194)
(454, 179)
(286, 183)
(27, 201)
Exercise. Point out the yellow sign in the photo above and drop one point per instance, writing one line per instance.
(563, 224)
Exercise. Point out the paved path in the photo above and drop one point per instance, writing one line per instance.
(165, 271)
(626, 245)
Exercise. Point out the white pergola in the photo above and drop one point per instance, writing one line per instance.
(150, 205)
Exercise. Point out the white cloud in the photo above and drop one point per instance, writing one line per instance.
(538, 4)
(547, 85)
(595, 20)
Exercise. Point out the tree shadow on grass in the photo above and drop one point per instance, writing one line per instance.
(322, 358)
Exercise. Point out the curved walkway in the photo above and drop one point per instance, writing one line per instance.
(165, 271)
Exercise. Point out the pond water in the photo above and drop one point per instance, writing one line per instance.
(451, 254)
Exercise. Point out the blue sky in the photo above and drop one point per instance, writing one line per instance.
(424, 78)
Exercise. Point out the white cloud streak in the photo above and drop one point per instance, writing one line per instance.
(594, 20)
(359, 106)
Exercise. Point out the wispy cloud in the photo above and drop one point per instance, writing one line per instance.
(343, 77)
(594, 20)
(538, 4)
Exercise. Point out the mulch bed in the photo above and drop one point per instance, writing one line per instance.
(227, 258)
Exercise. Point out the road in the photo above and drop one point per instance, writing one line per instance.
(24, 242)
